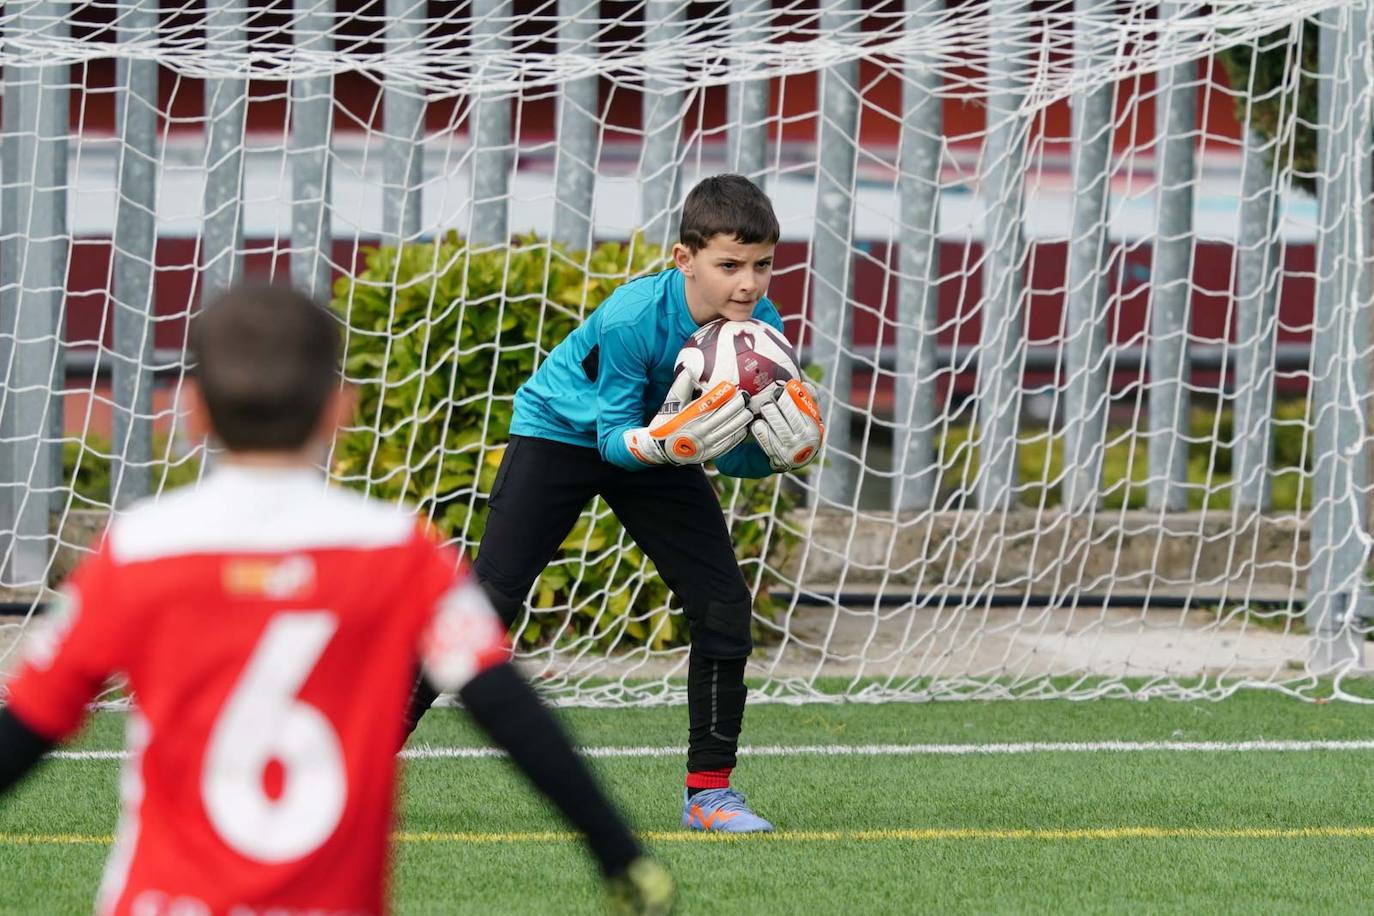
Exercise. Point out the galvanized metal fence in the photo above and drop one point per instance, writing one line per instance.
(40, 179)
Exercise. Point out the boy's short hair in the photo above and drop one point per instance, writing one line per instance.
(266, 359)
(729, 205)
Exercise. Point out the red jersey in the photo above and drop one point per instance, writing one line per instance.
(270, 628)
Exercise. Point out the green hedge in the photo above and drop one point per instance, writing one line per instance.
(1125, 465)
(86, 468)
(1261, 74)
(438, 341)
(87, 471)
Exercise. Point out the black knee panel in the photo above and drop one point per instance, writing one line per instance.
(722, 629)
(507, 603)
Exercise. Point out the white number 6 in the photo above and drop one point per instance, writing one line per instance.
(264, 721)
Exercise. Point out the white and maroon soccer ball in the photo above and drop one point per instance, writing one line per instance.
(752, 354)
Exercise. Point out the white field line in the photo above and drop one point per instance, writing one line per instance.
(426, 752)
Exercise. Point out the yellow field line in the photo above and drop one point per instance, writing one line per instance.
(53, 839)
(929, 834)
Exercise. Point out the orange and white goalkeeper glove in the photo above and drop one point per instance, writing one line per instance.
(704, 429)
(789, 427)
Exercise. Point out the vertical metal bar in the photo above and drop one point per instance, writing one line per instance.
(575, 166)
(1333, 578)
(312, 108)
(226, 102)
(918, 265)
(403, 125)
(12, 476)
(1324, 614)
(135, 235)
(33, 401)
(1171, 282)
(747, 137)
(1257, 282)
(1001, 338)
(491, 132)
(662, 116)
(54, 132)
(1360, 379)
(832, 319)
(226, 107)
(1085, 330)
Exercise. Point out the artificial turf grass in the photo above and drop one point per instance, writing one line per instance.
(1042, 790)
(1192, 876)
(1247, 715)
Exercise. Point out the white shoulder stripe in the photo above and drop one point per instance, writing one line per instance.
(236, 510)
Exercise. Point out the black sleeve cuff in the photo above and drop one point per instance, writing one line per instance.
(509, 711)
(21, 749)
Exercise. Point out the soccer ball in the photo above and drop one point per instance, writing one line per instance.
(752, 354)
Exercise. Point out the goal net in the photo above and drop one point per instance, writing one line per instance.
(1085, 285)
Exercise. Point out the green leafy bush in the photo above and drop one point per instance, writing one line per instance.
(86, 468)
(439, 337)
(1125, 464)
(1272, 79)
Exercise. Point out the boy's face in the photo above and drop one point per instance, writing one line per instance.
(726, 278)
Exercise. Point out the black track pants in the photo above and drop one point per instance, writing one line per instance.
(672, 513)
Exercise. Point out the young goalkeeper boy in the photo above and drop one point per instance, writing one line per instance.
(605, 415)
(270, 628)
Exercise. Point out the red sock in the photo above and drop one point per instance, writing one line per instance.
(709, 779)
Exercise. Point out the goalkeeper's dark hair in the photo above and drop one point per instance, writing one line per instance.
(266, 359)
(729, 205)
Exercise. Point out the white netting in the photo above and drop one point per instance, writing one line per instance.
(1088, 286)
(457, 54)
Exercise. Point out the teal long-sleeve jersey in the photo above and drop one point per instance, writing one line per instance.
(612, 373)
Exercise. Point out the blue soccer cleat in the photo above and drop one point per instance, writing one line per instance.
(721, 810)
